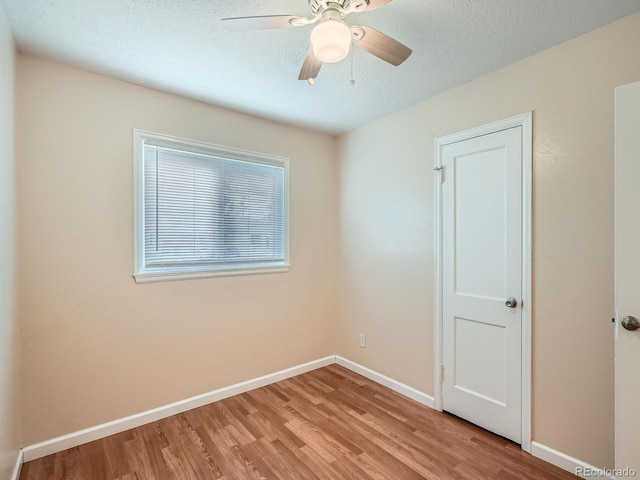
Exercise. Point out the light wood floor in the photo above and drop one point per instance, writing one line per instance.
(327, 424)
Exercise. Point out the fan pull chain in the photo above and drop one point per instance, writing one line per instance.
(352, 82)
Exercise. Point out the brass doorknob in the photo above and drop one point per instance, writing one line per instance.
(630, 323)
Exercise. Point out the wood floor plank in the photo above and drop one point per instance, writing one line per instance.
(230, 457)
(223, 460)
(328, 424)
(116, 451)
(281, 464)
(378, 457)
(322, 469)
(346, 469)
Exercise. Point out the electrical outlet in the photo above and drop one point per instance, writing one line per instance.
(363, 340)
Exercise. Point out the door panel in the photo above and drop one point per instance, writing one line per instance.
(477, 192)
(482, 267)
(473, 359)
(627, 275)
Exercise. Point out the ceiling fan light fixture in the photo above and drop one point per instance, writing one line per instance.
(331, 41)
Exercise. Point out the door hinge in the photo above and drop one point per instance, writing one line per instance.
(441, 372)
(440, 170)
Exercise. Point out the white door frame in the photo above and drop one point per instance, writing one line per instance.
(525, 121)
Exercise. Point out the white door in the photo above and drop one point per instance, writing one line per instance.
(482, 270)
(627, 266)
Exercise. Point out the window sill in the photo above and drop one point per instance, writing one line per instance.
(150, 277)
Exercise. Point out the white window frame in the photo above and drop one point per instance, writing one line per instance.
(144, 276)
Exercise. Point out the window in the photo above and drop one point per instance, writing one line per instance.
(203, 210)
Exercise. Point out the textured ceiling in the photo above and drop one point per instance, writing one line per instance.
(180, 46)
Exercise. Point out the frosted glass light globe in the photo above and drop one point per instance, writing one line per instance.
(331, 41)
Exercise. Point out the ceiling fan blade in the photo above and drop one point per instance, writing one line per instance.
(380, 45)
(243, 24)
(310, 67)
(373, 4)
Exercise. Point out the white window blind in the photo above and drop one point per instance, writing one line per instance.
(205, 212)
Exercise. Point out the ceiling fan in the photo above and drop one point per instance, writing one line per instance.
(331, 39)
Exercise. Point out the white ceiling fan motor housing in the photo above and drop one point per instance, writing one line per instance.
(317, 7)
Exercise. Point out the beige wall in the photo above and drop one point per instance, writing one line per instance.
(98, 346)
(9, 331)
(386, 231)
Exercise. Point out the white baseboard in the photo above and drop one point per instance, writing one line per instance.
(18, 468)
(565, 462)
(80, 437)
(388, 382)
